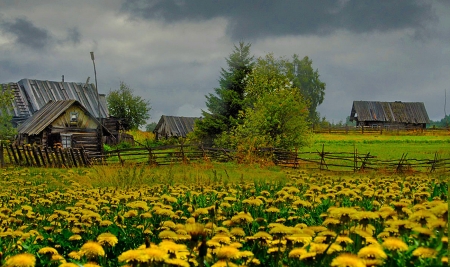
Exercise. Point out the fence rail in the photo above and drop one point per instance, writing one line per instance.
(163, 155)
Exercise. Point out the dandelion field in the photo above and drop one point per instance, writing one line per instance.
(220, 215)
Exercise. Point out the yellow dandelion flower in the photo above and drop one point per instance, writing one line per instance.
(21, 260)
(299, 238)
(297, 252)
(347, 260)
(74, 255)
(91, 264)
(423, 252)
(222, 239)
(105, 223)
(171, 247)
(280, 230)
(107, 239)
(168, 234)
(155, 254)
(132, 256)
(68, 264)
(237, 232)
(320, 248)
(236, 245)
(177, 262)
(213, 244)
(195, 230)
(228, 253)
(59, 258)
(224, 263)
(372, 252)
(308, 256)
(48, 250)
(242, 218)
(262, 236)
(343, 240)
(92, 250)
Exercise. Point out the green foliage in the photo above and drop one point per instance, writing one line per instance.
(224, 106)
(444, 122)
(311, 87)
(150, 127)
(277, 115)
(123, 104)
(278, 119)
(7, 131)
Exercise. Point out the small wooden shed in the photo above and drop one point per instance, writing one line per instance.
(397, 114)
(63, 122)
(173, 126)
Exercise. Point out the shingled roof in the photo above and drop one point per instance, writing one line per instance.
(391, 112)
(173, 126)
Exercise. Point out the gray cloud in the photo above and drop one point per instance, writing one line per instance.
(256, 19)
(73, 36)
(26, 33)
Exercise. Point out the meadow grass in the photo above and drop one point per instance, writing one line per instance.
(385, 147)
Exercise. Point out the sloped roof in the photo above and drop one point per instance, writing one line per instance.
(399, 112)
(32, 95)
(175, 126)
(46, 115)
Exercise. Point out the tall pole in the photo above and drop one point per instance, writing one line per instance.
(98, 104)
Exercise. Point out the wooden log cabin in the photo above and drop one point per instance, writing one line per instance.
(389, 114)
(66, 123)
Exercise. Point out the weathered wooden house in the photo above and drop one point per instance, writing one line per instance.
(173, 126)
(66, 123)
(389, 114)
(30, 96)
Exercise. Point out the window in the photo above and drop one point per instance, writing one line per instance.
(73, 118)
(66, 140)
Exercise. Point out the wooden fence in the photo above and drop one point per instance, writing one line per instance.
(40, 156)
(357, 162)
(400, 130)
(163, 155)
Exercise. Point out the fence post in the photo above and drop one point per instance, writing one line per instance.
(26, 155)
(14, 154)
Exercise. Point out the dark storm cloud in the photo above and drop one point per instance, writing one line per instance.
(254, 19)
(26, 33)
(73, 36)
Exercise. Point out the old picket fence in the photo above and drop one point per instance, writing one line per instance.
(323, 160)
(41, 156)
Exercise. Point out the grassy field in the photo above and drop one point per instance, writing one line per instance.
(384, 146)
(220, 215)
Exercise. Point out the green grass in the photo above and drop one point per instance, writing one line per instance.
(385, 147)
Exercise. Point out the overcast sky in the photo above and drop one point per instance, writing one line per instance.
(171, 51)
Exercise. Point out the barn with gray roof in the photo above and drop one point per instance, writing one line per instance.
(173, 126)
(398, 114)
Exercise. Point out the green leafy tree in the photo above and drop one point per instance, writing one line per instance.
(7, 131)
(224, 106)
(277, 116)
(150, 127)
(122, 103)
(311, 87)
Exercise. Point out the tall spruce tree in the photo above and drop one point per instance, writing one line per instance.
(229, 99)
